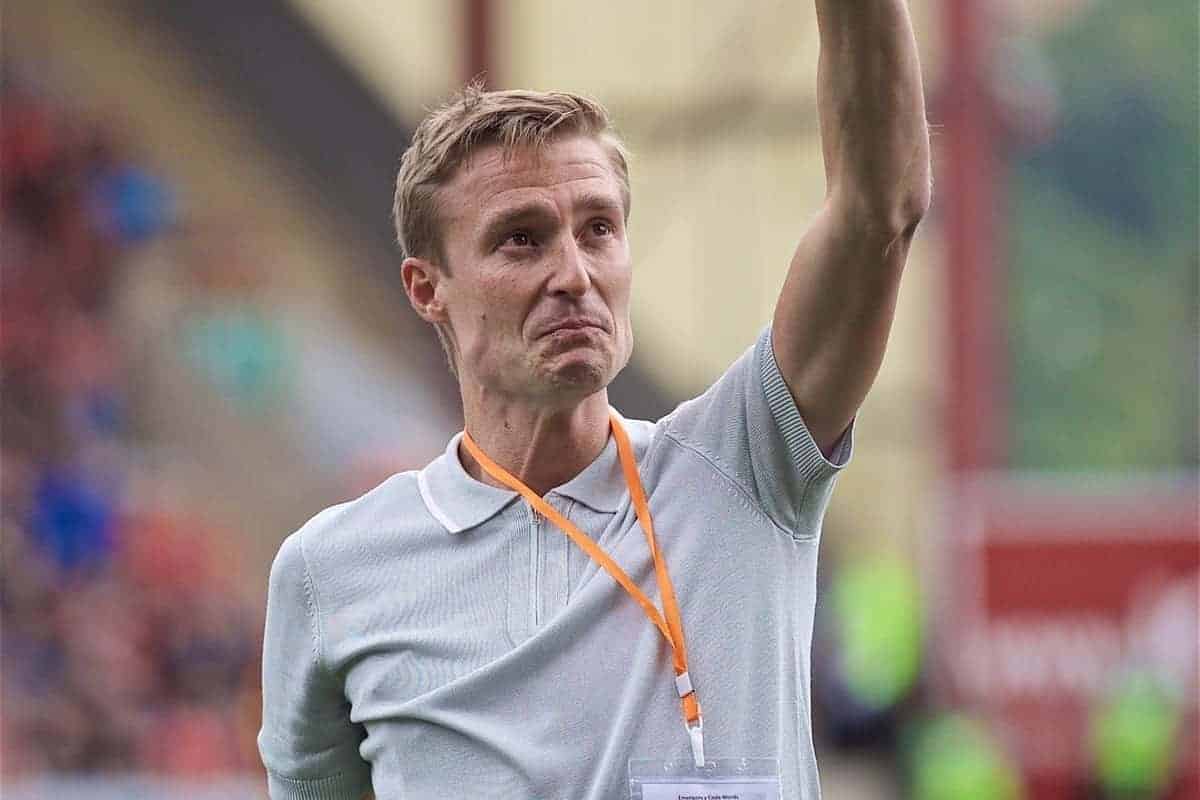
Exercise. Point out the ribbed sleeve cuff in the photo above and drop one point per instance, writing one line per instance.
(802, 448)
(343, 786)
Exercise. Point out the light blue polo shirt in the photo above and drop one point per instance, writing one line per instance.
(435, 638)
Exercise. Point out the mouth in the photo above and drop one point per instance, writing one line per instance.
(571, 324)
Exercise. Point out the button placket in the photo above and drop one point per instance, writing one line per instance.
(556, 565)
(551, 581)
(520, 578)
(535, 573)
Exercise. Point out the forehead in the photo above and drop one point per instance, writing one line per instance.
(494, 178)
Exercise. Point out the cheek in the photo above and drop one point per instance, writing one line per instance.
(489, 313)
(619, 293)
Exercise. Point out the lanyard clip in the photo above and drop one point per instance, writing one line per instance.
(696, 734)
(683, 683)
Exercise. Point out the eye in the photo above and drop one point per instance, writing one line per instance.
(518, 239)
(602, 227)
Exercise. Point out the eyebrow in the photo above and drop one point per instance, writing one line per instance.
(524, 213)
(596, 201)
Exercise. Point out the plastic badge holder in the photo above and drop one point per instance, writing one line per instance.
(718, 779)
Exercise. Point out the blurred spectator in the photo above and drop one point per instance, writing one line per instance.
(953, 757)
(130, 204)
(1133, 739)
(867, 649)
(228, 334)
(72, 517)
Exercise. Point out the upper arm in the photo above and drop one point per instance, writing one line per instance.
(832, 321)
(308, 743)
(833, 316)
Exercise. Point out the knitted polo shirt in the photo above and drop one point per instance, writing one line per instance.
(435, 638)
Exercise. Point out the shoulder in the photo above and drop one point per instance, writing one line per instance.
(727, 403)
(341, 531)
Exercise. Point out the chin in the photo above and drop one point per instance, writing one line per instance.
(579, 377)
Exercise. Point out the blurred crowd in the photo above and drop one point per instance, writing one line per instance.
(125, 646)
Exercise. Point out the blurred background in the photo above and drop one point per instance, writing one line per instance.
(204, 341)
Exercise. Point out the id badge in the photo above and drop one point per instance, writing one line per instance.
(718, 779)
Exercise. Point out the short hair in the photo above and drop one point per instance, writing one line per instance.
(474, 118)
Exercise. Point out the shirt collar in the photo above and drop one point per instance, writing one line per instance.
(459, 502)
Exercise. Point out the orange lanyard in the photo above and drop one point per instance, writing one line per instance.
(672, 626)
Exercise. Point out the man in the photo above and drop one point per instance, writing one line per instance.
(490, 626)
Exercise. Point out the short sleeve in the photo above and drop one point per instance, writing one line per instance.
(308, 743)
(748, 426)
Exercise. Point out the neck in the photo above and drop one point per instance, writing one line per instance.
(542, 447)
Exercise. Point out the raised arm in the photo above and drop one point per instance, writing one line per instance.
(834, 313)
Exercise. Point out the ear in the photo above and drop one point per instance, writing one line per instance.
(422, 281)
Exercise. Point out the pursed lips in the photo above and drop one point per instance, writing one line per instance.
(572, 323)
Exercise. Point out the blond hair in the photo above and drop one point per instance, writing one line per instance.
(474, 118)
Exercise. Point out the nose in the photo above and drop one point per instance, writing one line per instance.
(571, 276)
